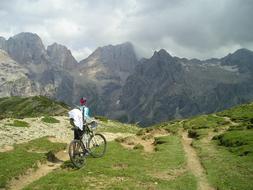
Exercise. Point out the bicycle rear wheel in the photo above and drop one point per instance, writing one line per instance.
(97, 145)
(77, 153)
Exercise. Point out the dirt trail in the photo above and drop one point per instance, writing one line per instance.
(228, 119)
(193, 163)
(42, 170)
(32, 175)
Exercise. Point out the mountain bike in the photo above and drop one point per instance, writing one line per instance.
(90, 143)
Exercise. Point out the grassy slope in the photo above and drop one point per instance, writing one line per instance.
(15, 162)
(117, 127)
(242, 113)
(19, 107)
(125, 169)
(228, 157)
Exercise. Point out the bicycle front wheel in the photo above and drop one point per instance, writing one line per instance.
(97, 145)
(77, 153)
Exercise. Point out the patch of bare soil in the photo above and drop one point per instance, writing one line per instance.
(42, 170)
(113, 136)
(6, 148)
(120, 166)
(169, 175)
(158, 132)
(131, 142)
(146, 140)
(193, 163)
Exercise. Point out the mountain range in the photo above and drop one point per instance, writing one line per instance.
(120, 86)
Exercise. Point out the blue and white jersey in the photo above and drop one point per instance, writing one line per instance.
(85, 112)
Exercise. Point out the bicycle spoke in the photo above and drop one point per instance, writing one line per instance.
(76, 153)
(97, 145)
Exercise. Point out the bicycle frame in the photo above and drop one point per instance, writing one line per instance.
(88, 133)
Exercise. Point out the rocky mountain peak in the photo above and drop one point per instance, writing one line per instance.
(61, 56)
(26, 48)
(162, 56)
(27, 35)
(120, 57)
(242, 58)
(112, 62)
(163, 52)
(242, 51)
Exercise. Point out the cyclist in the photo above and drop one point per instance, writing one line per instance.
(79, 117)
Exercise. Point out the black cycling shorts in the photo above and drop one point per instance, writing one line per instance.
(78, 134)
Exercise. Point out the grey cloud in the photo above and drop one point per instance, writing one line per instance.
(187, 28)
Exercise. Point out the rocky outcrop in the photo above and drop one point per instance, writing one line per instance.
(13, 78)
(60, 56)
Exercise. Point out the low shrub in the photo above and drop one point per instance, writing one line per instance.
(239, 142)
(141, 132)
(160, 140)
(193, 134)
(120, 139)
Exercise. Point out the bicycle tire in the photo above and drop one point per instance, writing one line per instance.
(77, 156)
(97, 145)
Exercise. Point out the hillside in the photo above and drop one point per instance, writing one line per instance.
(205, 152)
(20, 107)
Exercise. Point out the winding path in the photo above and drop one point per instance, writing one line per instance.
(32, 175)
(193, 163)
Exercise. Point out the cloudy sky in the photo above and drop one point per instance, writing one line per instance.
(185, 28)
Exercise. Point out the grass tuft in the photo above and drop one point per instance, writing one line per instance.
(48, 119)
(18, 123)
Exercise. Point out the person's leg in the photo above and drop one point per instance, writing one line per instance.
(76, 134)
